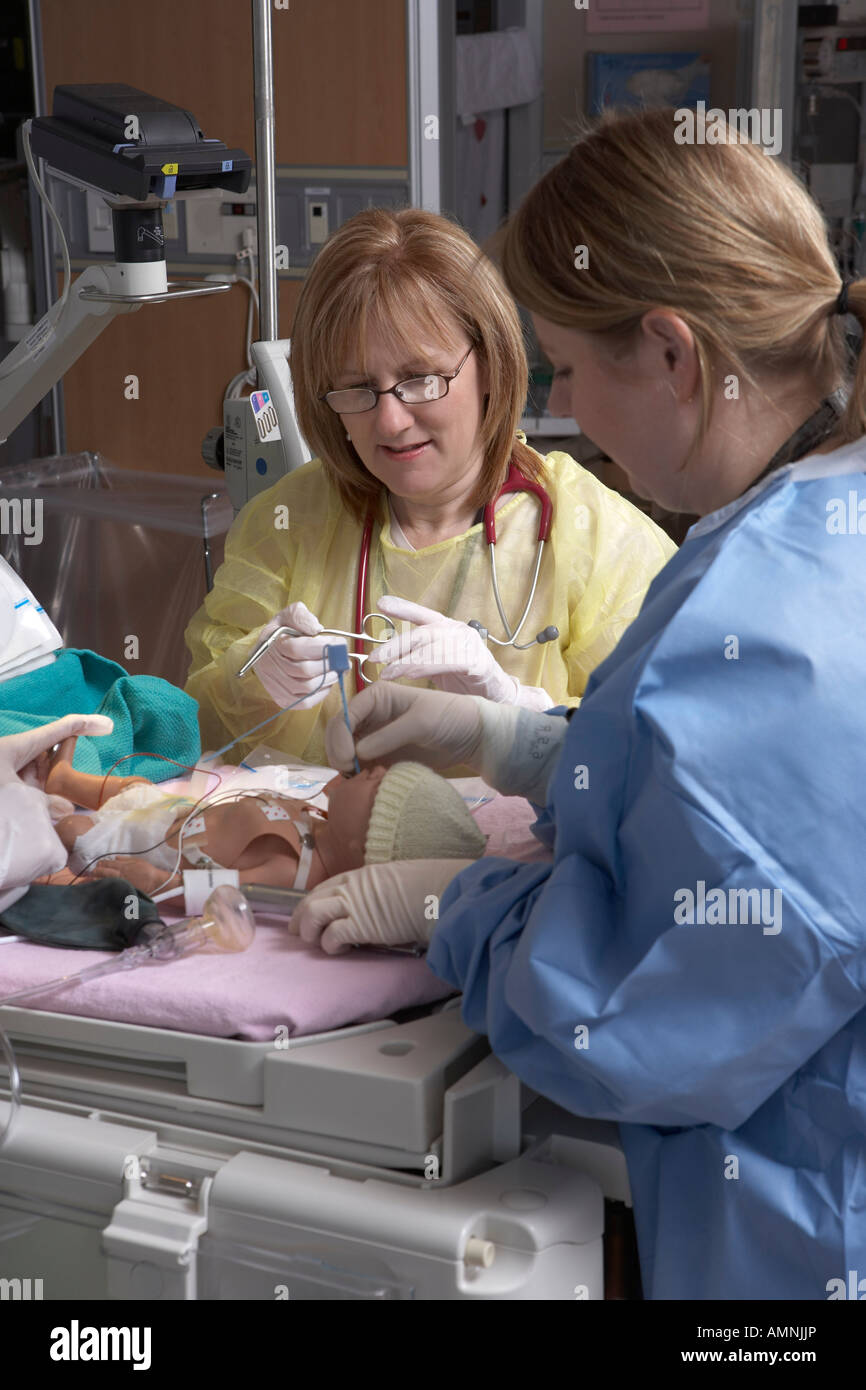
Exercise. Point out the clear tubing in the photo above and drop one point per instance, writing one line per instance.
(271, 717)
(76, 977)
(227, 924)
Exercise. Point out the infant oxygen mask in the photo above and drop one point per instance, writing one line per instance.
(226, 924)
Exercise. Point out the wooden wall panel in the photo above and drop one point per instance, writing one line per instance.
(340, 80)
(184, 356)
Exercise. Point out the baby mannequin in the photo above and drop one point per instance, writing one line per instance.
(382, 814)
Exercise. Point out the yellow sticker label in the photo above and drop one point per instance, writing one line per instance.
(170, 168)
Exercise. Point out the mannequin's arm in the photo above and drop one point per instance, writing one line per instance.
(88, 789)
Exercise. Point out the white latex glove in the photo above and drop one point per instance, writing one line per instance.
(29, 846)
(451, 654)
(391, 723)
(378, 905)
(294, 666)
(514, 750)
(23, 756)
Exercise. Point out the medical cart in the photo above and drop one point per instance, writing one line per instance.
(392, 1160)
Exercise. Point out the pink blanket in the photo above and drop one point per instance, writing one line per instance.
(278, 984)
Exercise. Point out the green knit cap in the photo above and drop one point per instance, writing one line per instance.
(418, 815)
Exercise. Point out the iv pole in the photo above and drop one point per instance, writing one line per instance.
(263, 82)
(271, 353)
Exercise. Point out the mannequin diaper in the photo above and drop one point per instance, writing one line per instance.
(138, 819)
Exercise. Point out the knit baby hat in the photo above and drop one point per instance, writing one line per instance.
(418, 815)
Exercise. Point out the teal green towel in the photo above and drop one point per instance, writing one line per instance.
(150, 715)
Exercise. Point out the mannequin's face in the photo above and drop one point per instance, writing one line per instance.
(350, 804)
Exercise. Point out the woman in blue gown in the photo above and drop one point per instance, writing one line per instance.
(692, 961)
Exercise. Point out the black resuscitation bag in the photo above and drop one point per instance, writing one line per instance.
(95, 916)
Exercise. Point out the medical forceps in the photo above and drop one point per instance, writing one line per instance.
(356, 637)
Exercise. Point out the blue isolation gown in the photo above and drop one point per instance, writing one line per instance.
(724, 747)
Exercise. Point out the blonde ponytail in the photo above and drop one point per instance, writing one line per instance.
(721, 233)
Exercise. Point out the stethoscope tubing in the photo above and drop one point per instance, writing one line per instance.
(515, 482)
(513, 636)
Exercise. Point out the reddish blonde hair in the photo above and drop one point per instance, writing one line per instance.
(409, 275)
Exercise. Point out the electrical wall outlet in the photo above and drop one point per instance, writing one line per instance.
(317, 221)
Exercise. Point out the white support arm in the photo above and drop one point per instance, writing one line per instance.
(57, 341)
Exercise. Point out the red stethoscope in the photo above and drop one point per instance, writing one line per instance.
(514, 482)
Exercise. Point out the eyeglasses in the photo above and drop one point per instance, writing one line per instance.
(416, 390)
